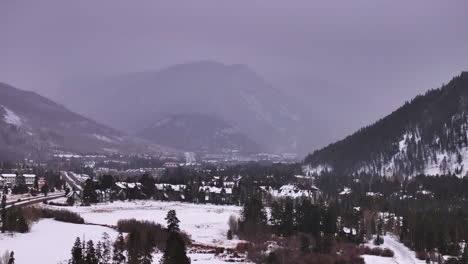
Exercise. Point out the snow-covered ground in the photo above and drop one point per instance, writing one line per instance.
(28, 196)
(49, 241)
(11, 118)
(403, 255)
(206, 223)
(200, 258)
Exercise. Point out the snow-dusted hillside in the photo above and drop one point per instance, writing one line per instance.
(34, 126)
(232, 95)
(11, 118)
(195, 132)
(428, 135)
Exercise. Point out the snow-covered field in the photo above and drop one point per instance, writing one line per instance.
(49, 241)
(403, 255)
(206, 223)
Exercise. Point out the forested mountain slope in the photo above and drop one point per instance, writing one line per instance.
(34, 126)
(425, 136)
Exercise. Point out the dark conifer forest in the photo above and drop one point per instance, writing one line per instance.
(427, 125)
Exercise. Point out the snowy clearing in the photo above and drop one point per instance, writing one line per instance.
(11, 118)
(50, 241)
(403, 255)
(205, 223)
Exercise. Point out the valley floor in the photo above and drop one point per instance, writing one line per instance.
(50, 241)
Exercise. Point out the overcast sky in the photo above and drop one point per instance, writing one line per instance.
(379, 53)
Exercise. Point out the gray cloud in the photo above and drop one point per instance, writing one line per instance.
(376, 54)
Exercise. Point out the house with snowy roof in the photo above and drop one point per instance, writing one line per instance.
(9, 179)
(173, 192)
(216, 195)
(29, 179)
(293, 191)
(127, 190)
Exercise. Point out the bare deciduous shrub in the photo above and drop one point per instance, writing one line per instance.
(382, 252)
(160, 234)
(34, 214)
(233, 224)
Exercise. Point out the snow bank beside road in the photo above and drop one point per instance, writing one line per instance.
(403, 255)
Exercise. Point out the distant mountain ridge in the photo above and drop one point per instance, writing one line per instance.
(34, 126)
(232, 94)
(194, 132)
(428, 135)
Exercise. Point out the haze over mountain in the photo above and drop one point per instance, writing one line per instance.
(428, 135)
(197, 132)
(34, 126)
(217, 95)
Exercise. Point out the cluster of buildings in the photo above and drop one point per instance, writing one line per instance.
(154, 172)
(180, 192)
(290, 191)
(227, 193)
(234, 157)
(12, 179)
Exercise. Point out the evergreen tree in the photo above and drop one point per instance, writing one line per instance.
(134, 248)
(3, 214)
(172, 221)
(276, 215)
(254, 212)
(89, 192)
(288, 218)
(22, 225)
(45, 189)
(36, 184)
(329, 221)
(119, 249)
(77, 252)
(148, 248)
(148, 185)
(106, 249)
(254, 219)
(12, 258)
(307, 218)
(175, 251)
(90, 253)
(305, 244)
(99, 252)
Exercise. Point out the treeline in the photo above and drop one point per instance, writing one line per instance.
(11, 219)
(19, 220)
(142, 240)
(302, 233)
(246, 178)
(434, 122)
(428, 214)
